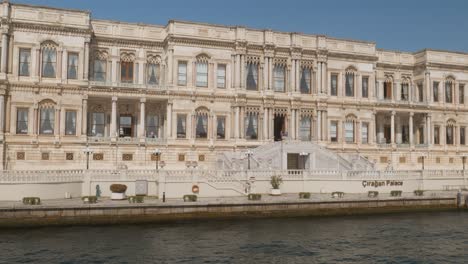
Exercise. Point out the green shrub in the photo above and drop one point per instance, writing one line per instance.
(395, 193)
(190, 198)
(136, 199)
(372, 194)
(89, 199)
(118, 188)
(418, 192)
(304, 195)
(254, 197)
(31, 200)
(276, 181)
(337, 194)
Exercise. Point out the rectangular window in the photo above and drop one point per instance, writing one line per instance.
(99, 70)
(449, 135)
(365, 86)
(49, 62)
(181, 126)
(334, 85)
(47, 121)
(70, 123)
(435, 91)
(420, 92)
(436, 135)
(202, 74)
(252, 76)
(306, 80)
(448, 92)
(98, 124)
(349, 84)
(461, 93)
(365, 133)
(279, 76)
(221, 76)
(152, 75)
(125, 126)
(251, 126)
(182, 73)
(334, 131)
(220, 127)
(152, 126)
(305, 128)
(404, 92)
(126, 72)
(24, 62)
(349, 131)
(72, 69)
(22, 121)
(462, 136)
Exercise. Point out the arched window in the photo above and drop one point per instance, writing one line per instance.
(449, 132)
(387, 89)
(202, 70)
(449, 85)
(251, 125)
(49, 59)
(252, 73)
(305, 128)
(349, 81)
(46, 117)
(350, 127)
(405, 89)
(100, 66)
(279, 77)
(126, 67)
(153, 70)
(97, 121)
(306, 77)
(201, 123)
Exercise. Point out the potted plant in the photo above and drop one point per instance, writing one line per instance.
(118, 191)
(276, 182)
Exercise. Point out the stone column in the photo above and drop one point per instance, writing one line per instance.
(319, 77)
(427, 82)
(297, 77)
(265, 73)
(270, 73)
(428, 137)
(86, 61)
(170, 65)
(319, 125)
(169, 120)
(237, 72)
(380, 90)
(242, 71)
(3, 65)
(114, 71)
(292, 74)
(113, 123)
(265, 123)
(236, 123)
(392, 128)
(141, 130)
(2, 113)
(410, 121)
(324, 78)
(84, 117)
(292, 133)
(64, 65)
(399, 131)
(58, 121)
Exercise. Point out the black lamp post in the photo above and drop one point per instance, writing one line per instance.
(249, 153)
(157, 154)
(87, 151)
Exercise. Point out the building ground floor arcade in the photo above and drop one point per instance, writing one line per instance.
(50, 132)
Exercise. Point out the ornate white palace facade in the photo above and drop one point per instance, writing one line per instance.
(197, 90)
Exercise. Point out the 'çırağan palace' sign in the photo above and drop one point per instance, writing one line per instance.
(385, 183)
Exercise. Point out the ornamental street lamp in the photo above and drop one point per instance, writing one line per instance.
(87, 151)
(157, 155)
(249, 153)
(303, 156)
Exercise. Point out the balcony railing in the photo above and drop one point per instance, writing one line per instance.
(98, 139)
(127, 85)
(156, 141)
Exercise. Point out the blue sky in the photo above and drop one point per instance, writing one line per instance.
(396, 24)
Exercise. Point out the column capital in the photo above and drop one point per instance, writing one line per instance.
(143, 100)
(114, 98)
(393, 113)
(411, 114)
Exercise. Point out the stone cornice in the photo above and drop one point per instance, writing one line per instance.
(128, 43)
(26, 27)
